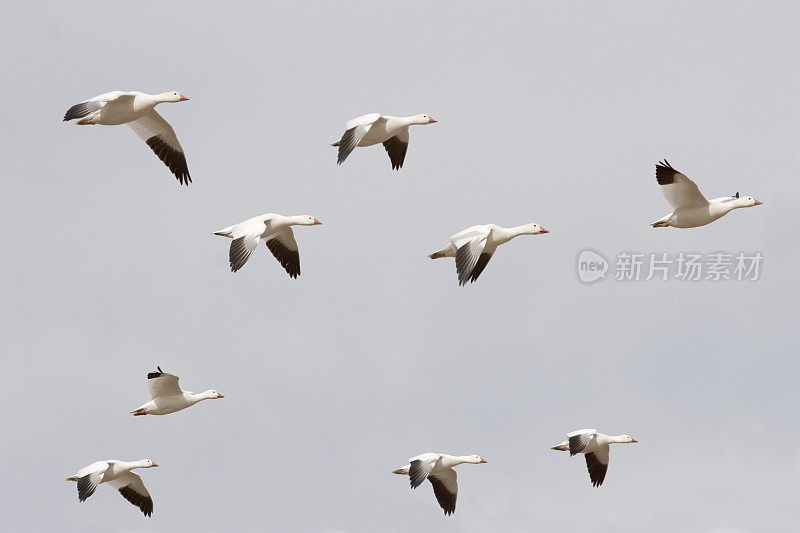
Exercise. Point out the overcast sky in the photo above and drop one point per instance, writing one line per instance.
(548, 113)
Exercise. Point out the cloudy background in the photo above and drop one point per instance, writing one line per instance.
(547, 113)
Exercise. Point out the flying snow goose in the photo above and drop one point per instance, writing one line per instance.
(595, 448)
(276, 230)
(167, 397)
(137, 110)
(375, 128)
(692, 210)
(438, 469)
(473, 247)
(117, 474)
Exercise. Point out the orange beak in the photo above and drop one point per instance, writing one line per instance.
(317, 221)
(431, 120)
(155, 464)
(182, 98)
(758, 203)
(483, 460)
(634, 440)
(560, 448)
(220, 396)
(543, 230)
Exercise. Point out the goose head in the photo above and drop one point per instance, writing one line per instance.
(212, 395)
(748, 201)
(423, 119)
(474, 459)
(146, 463)
(307, 220)
(533, 229)
(625, 439)
(172, 96)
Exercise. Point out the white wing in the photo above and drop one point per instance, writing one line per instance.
(132, 488)
(578, 440)
(161, 384)
(241, 250)
(284, 247)
(445, 488)
(354, 131)
(94, 104)
(365, 120)
(159, 135)
(470, 233)
(680, 191)
(245, 240)
(89, 478)
(467, 257)
(420, 467)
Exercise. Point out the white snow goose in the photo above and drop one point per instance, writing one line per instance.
(474, 247)
(276, 230)
(167, 397)
(438, 469)
(692, 210)
(137, 110)
(117, 474)
(375, 128)
(595, 448)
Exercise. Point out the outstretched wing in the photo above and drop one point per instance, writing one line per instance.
(578, 440)
(159, 135)
(284, 248)
(132, 488)
(88, 107)
(355, 131)
(420, 468)
(397, 147)
(467, 257)
(241, 250)
(597, 464)
(161, 384)
(445, 488)
(88, 483)
(680, 191)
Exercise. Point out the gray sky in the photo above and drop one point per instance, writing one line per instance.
(547, 113)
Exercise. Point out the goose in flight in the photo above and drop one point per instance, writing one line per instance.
(276, 230)
(474, 247)
(595, 448)
(692, 210)
(167, 397)
(137, 110)
(438, 469)
(375, 128)
(117, 474)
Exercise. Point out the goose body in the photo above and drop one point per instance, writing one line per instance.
(374, 128)
(137, 110)
(691, 209)
(438, 469)
(276, 230)
(595, 448)
(167, 397)
(474, 247)
(119, 475)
